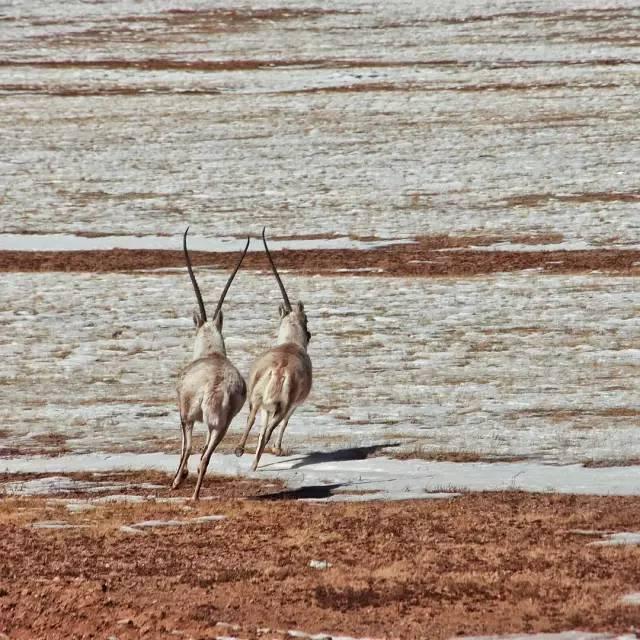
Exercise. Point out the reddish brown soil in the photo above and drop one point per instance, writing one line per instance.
(419, 259)
(235, 64)
(477, 564)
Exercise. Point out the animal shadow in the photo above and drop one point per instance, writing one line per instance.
(343, 455)
(314, 492)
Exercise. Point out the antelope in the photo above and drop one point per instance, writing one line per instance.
(280, 379)
(210, 389)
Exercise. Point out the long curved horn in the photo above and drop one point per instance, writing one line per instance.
(231, 277)
(285, 297)
(196, 288)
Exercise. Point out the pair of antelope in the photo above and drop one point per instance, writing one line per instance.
(211, 390)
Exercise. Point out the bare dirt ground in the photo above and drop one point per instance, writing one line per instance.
(474, 564)
(421, 259)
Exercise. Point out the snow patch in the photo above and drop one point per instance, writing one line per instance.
(56, 524)
(512, 365)
(614, 539)
(71, 242)
(63, 484)
(388, 478)
(177, 523)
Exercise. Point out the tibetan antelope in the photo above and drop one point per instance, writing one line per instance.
(280, 379)
(210, 389)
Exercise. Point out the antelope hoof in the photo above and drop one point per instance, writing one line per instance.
(254, 466)
(277, 451)
(179, 479)
(239, 451)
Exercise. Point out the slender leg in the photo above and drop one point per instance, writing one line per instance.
(215, 436)
(182, 449)
(268, 425)
(183, 469)
(278, 448)
(253, 410)
(204, 449)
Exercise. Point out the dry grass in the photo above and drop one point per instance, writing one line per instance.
(420, 452)
(418, 259)
(612, 462)
(566, 415)
(477, 564)
(539, 199)
(587, 15)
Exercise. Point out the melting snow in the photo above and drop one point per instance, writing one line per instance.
(333, 480)
(69, 242)
(501, 131)
(177, 523)
(56, 524)
(624, 537)
(542, 367)
(63, 484)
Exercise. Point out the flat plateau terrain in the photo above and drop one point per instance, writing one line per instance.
(272, 564)
(451, 189)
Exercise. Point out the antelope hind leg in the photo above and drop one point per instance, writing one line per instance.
(215, 436)
(269, 424)
(253, 410)
(183, 469)
(277, 450)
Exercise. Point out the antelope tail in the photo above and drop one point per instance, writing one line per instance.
(276, 393)
(214, 405)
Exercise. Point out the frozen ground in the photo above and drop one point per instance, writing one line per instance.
(542, 368)
(334, 477)
(394, 119)
(331, 123)
(71, 242)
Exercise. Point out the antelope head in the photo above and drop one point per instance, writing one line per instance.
(208, 332)
(293, 320)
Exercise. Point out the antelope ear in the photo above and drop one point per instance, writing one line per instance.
(282, 310)
(300, 306)
(218, 320)
(197, 319)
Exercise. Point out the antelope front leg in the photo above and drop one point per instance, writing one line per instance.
(183, 469)
(253, 410)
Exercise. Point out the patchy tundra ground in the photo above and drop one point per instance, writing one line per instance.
(500, 137)
(508, 366)
(268, 564)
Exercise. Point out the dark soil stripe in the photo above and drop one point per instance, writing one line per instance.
(413, 260)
